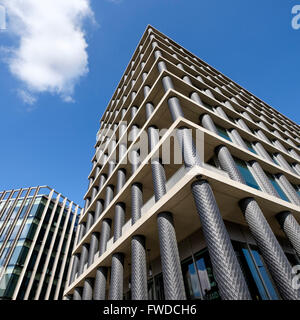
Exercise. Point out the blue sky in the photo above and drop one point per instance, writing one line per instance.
(50, 142)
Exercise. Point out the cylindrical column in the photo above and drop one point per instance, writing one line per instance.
(89, 221)
(94, 193)
(170, 261)
(227, 164)
(87, 203)
(270, 249)
(208, 123)
(93, 247)
(262, 151)
(238, 139)
(288, 188)
(87, 293)
(77, 293)
(81, 231)
(136, 201)
(116, 281)
(99, 209)
(121, 179)
(76, 258)
(83, 257)
(263, 179)
(291, 228)
(102, 180)
(100, 284)
(282, 162)
(139, 290)
(109, 195)
(104, 235)
(158, 172)
(243, 125)
(119, 220)
(221, 112)
(229, 276)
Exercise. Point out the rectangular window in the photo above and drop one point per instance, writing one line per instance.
(277, 187)
(247, 175)
(223, 132)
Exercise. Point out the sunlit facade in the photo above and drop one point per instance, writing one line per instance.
(223, 223)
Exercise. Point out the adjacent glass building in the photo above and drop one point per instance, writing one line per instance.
(37, 233)
(222, 223)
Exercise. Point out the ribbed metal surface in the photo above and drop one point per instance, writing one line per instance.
(83, 257)
(243, 125)
(87, 293)
(289, 190)
(238, 139)
(263, 179)
(221, 112)
(100, 284)
(229, 277)
(93, 247)
(99, 209)
(104, 235)
(227, 164)
(291, 228)
(77, 294)
(116, 279)
(139, 289)
(108, 195)
(94, 193)
(175, 108)
(119, 220)
(136, 201)
(208, 124)
(149, 109)
(121, 179)
(170, 261)
(102, 180)
(159, 178)
(74, 267)
(262, 151)
(188, 148)
(81, 231)
(270, 249)
(282, 162)
(89, 221)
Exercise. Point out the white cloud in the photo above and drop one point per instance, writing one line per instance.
(26, 96)
(51, 54)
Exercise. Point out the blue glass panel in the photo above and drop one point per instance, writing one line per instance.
(255, 275)
(264, 275)
(250, 181)
(222, 132)
(277, 187)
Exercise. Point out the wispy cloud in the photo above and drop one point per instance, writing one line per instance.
(51, 55)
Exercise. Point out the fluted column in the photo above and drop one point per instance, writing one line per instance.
(119, 220)
(291, 228)
(270, 249)
(288, 188)
(77, 293)
(87, 293)
(191, 158)
(230, 279)
(116, 281)
(139, 268)
(101, 273)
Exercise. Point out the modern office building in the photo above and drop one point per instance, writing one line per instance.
(37, 234)
(223, 223)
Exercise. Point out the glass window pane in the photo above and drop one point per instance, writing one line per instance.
(247, 175)
(277, 187)
(222, 132)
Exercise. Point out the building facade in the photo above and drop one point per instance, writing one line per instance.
(37, 234)
(222, 223)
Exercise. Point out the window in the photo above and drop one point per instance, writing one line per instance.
(223, 132)
(247, 175)
(249, 145)
(277, 187)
